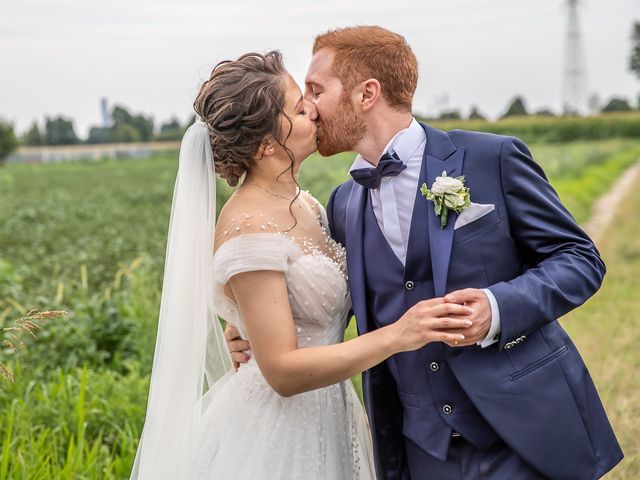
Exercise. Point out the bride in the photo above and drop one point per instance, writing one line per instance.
(270, 269)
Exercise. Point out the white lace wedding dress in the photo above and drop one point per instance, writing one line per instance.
(248, 431)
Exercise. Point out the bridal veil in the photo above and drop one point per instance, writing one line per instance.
(190, 352)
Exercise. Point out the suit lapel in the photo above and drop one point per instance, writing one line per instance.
(441, 155)
(355, 254)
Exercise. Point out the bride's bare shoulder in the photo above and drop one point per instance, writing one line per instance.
(246, 214)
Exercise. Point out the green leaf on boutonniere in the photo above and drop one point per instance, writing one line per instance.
(447, 193)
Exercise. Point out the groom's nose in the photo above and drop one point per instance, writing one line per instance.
(307, 92)
(313, 111)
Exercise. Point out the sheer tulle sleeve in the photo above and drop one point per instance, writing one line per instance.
(252, 252)
(322, 214)
(319, 209)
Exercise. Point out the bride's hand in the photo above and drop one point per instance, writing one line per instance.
(237, 346)
(430, 321)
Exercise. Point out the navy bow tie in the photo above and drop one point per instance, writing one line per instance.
(388, 166)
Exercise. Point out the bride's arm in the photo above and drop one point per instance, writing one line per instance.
(264, 304)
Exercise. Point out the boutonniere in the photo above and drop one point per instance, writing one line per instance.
(447, 193)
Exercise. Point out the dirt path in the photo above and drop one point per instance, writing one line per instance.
(605, 208)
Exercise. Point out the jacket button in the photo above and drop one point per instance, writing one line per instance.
(447, 409)
(434, 366)
(409, 285)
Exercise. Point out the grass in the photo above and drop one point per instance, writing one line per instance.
(583, 171)
(607, 332)
(89, 238)
(79, 424)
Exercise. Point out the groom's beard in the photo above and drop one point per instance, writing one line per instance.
(342, 131)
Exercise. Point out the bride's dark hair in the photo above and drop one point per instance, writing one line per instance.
(241, 104)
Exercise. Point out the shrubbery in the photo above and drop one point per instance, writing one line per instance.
(555, 129)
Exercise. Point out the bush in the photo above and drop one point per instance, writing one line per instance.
(617, 105)
(8, 140)
(555, 130)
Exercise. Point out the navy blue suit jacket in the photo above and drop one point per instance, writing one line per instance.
(532, 386)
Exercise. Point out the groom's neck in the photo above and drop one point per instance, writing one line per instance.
(381, 128)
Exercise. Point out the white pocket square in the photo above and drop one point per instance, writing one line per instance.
(473, 213)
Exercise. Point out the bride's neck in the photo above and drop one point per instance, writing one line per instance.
(276, 183)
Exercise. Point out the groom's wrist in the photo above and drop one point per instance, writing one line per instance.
(494, 330)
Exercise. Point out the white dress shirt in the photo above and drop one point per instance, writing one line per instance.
(393, 202)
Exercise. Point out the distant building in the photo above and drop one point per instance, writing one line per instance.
(104, 108)
(67, 153)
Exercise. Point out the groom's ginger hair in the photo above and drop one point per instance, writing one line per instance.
(365, 52)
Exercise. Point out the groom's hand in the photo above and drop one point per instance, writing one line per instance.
(478, 301)
(237, 346)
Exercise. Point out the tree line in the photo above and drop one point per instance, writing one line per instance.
(124, 127)
(128, 127)
(517, 108)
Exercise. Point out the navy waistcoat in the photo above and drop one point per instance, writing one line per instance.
(434, 403)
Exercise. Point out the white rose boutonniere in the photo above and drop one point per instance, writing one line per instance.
(447, 193)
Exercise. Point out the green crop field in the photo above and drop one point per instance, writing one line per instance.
(89, 237)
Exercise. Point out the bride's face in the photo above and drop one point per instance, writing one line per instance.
(299, 131)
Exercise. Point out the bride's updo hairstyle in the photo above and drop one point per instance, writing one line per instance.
(241, 104)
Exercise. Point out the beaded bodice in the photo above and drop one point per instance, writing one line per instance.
(314, 267)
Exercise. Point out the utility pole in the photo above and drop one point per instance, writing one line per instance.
(575, 74)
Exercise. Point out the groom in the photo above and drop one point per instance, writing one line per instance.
(514, 400)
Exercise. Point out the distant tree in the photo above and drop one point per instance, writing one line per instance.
(475, 114)
(450, 115)
(545, 112)
(59, 131)
(33, 137)
(120, 115)
(8, 141)
(124, 133)
(172, 124)
(100, 135)
(617, 105)
(144, 127)
(130, 128)
(516, 108)
(634, 58)
(171, 130)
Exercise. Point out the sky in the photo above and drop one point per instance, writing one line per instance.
(63, 56)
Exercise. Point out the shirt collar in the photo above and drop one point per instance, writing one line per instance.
(404, 143)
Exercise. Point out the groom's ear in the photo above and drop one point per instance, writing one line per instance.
(370, 93)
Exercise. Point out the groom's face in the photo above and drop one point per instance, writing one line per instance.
(340, 127)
